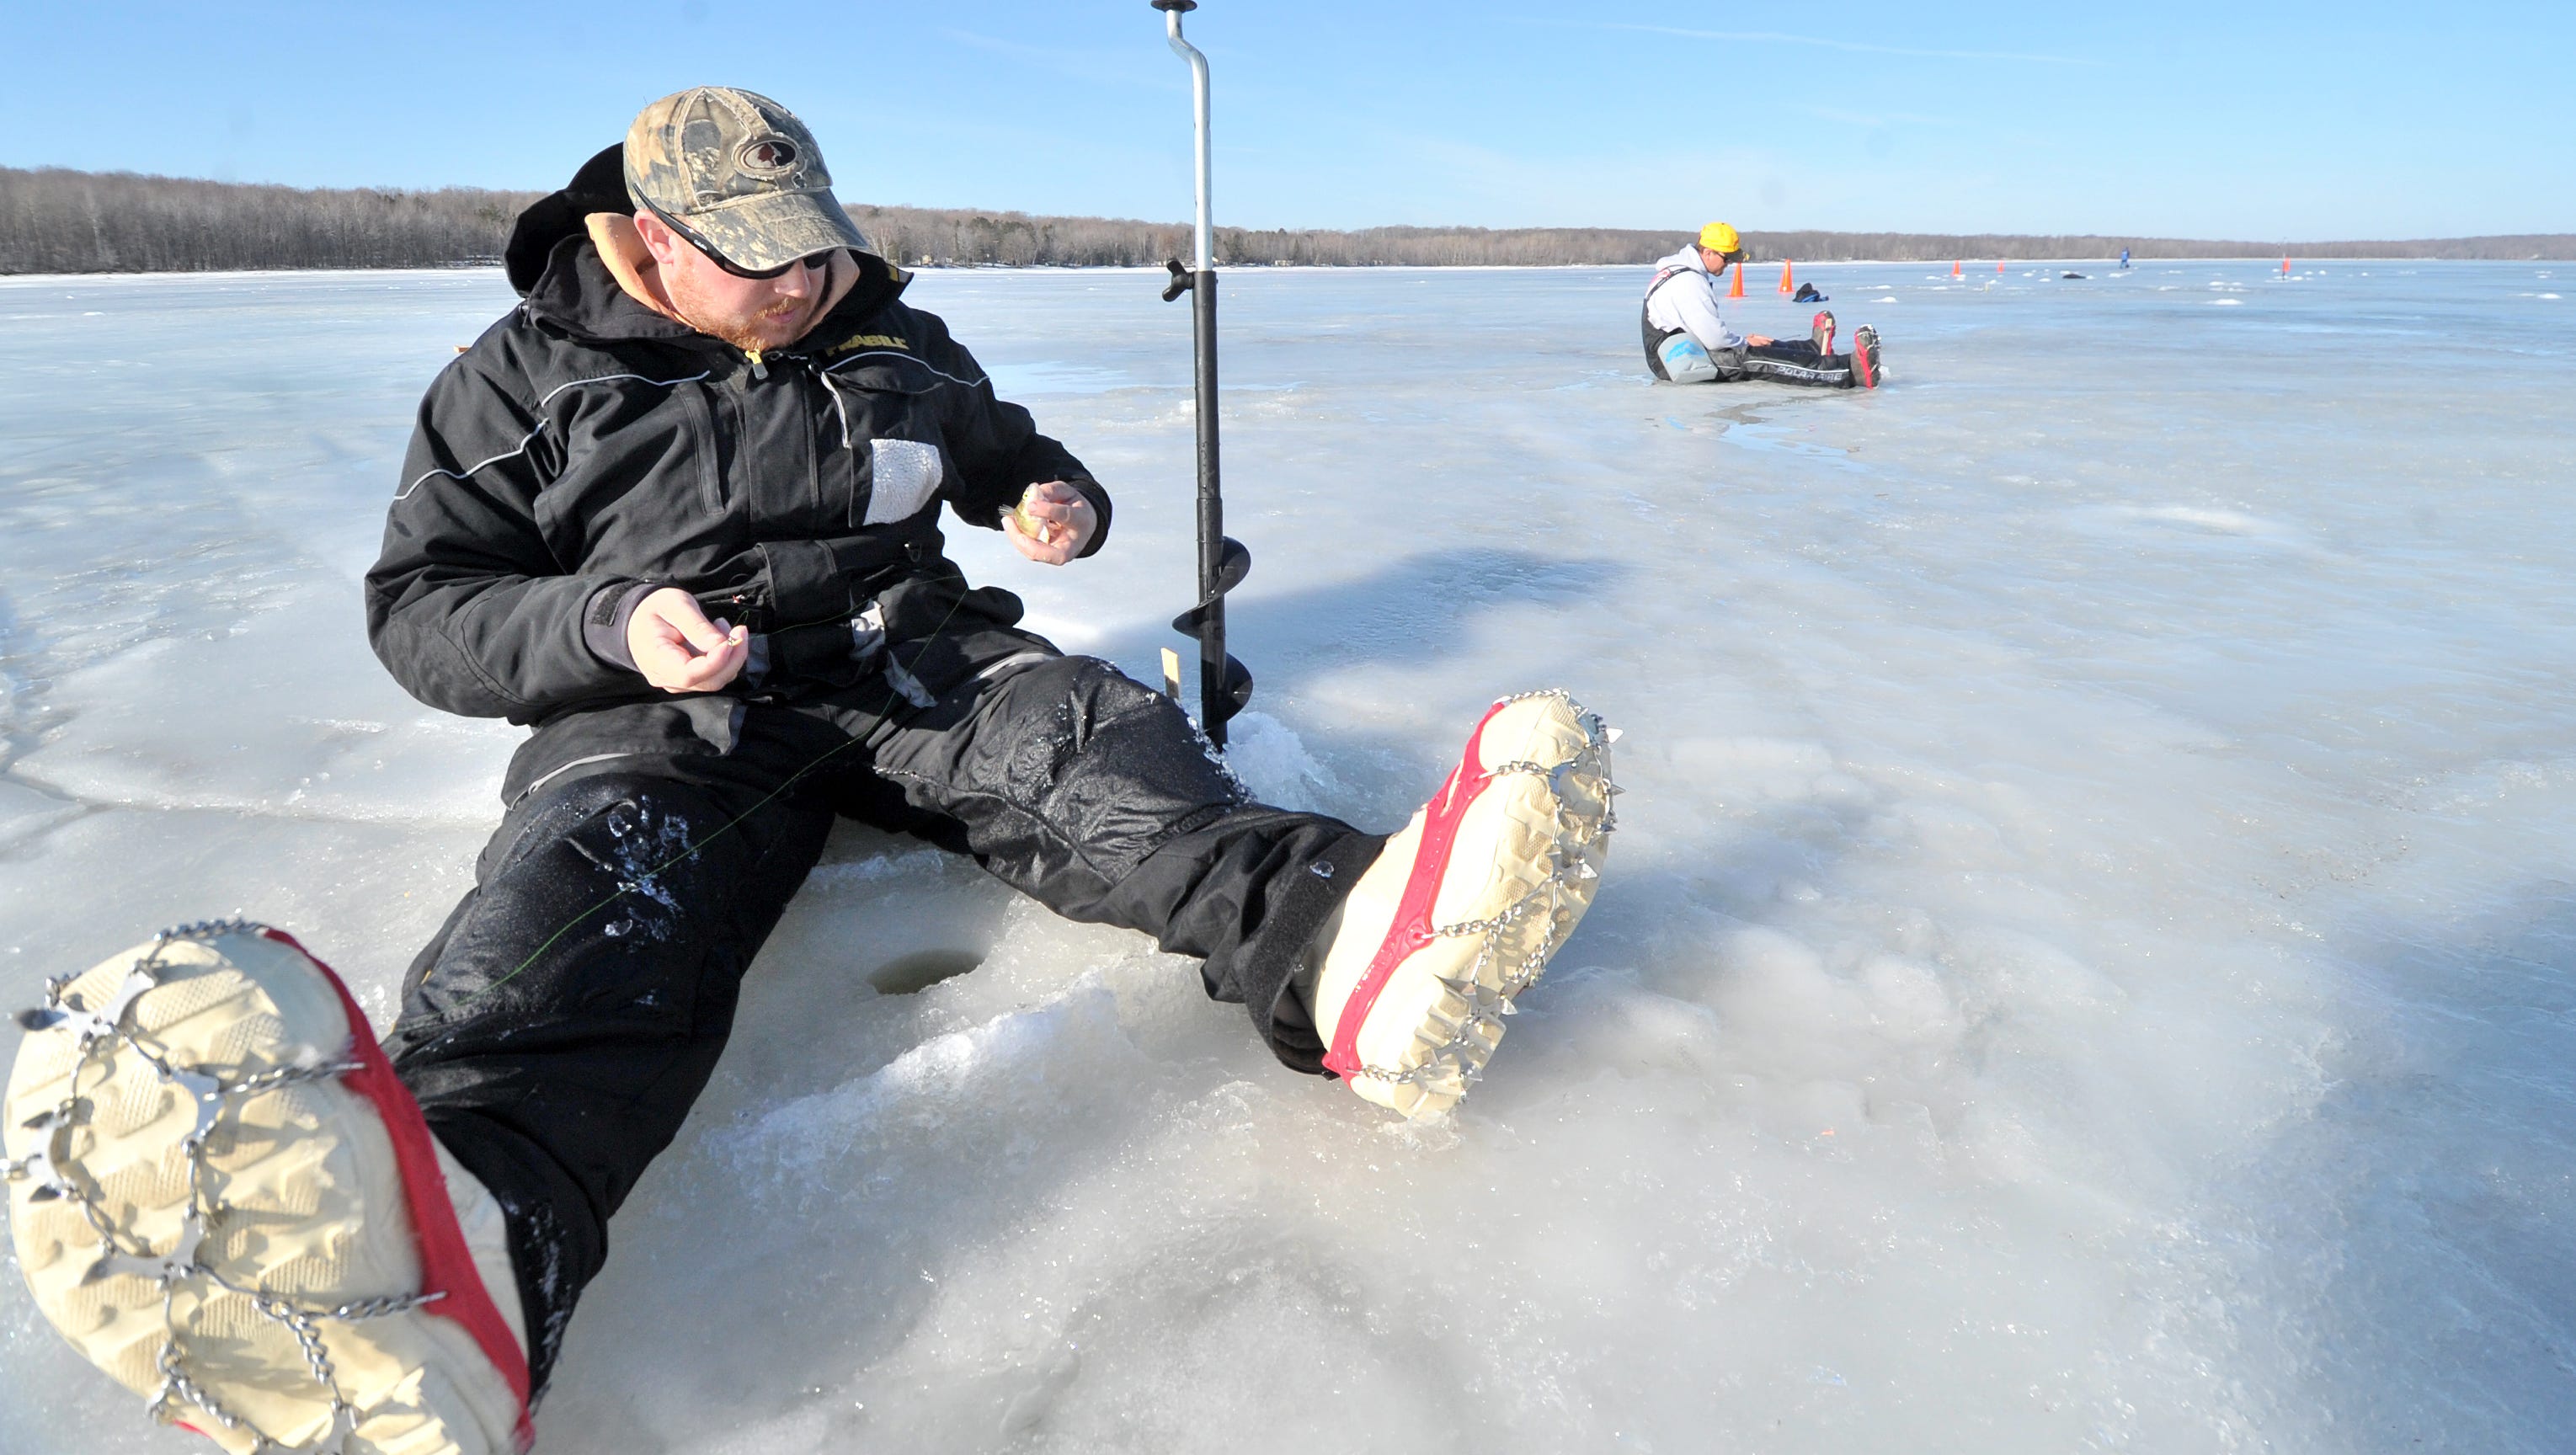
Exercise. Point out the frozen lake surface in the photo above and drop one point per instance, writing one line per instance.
(2089, 962)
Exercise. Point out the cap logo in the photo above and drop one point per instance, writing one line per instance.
(769, 156)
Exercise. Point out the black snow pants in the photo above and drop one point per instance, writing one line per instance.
(1788, 361)
(573, 1006)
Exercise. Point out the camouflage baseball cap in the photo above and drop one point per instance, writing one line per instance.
(739, 176)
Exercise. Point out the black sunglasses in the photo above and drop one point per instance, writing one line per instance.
(819, 262)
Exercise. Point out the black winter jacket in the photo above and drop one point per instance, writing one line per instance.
(586, 446)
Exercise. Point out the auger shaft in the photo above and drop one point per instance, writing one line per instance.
(1224, 685)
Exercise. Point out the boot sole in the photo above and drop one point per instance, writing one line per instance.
(1496, 871)
(220, 1194)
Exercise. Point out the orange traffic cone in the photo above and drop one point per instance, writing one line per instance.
(1785, 285)
(1736, 289)
(1954, 270)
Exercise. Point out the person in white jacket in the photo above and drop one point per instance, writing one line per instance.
(1688, 340)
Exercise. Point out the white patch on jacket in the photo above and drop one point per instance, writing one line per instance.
(904, 475)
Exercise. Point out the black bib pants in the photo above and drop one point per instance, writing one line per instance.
(573, 1006)
(1787, 361)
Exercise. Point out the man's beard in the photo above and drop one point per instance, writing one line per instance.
(743, 331)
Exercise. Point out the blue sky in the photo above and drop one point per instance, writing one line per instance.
(2303, 122)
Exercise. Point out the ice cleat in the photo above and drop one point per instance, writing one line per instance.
(1821, 332)
(1461, 910)
(221, 1196)
(1865, 355)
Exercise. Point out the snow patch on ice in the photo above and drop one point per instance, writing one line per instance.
(2224, 522)
(988, 1066)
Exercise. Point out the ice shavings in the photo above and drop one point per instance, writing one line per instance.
(1274, 764)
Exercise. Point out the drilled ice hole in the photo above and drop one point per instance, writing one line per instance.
(920, 970)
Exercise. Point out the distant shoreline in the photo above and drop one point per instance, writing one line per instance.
(55, 221)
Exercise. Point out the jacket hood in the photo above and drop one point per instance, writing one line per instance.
(553, 264)
(1688, 257)
(600, 186)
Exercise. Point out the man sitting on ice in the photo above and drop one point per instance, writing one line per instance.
(1688, 341)
(678, 512)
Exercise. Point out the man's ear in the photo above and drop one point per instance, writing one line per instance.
(659, 240)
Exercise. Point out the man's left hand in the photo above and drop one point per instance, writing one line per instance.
(1051, 524)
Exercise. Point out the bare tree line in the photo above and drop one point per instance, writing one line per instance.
(54, 220)
(919, 236)
(58, 221)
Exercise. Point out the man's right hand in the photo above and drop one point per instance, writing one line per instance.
(678, 649)
(1757, 340)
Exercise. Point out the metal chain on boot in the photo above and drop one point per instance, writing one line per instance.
(57, 1177)
(1455, 1063)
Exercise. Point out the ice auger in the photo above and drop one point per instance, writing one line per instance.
(1225, 684)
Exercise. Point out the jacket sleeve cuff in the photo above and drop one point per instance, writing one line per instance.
(1091, 490)
(605, 618)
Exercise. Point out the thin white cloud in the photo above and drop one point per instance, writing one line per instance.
(1775, 37)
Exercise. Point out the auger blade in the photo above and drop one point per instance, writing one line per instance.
(1233, 564)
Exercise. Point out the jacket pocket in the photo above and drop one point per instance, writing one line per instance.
(710, 439)
(892, 431)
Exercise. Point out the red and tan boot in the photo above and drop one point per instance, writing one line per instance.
(1461, 910)
(222, 1197)
(1865, 357)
